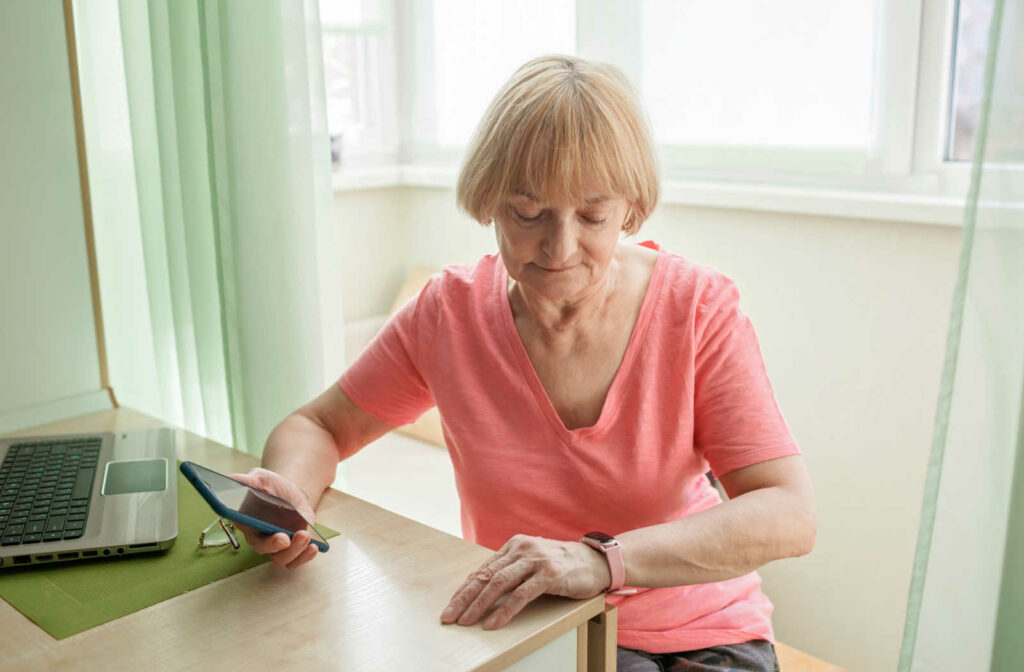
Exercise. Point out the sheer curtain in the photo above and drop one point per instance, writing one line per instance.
(966, 606)
(206, 138)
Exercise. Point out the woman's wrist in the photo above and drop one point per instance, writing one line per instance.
(597, 566)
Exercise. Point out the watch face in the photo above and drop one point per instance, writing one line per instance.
(600, 537)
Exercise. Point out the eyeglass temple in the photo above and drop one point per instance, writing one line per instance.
(231, 536)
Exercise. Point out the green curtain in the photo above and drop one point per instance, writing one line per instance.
(207, 145)
(966, 605)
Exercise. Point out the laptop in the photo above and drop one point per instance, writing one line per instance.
(78, 496)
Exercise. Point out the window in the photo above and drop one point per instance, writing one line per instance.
(738, 87)
(973, 19)
(358, 75)
(846, 93)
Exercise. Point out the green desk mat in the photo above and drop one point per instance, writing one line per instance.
(67, 598)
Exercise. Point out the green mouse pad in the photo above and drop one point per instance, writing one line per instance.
(67, 598)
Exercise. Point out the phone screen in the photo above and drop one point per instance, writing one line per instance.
(255, 503)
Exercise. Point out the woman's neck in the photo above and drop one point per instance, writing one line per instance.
(559, 321)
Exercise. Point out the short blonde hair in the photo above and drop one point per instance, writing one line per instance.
(559, 126)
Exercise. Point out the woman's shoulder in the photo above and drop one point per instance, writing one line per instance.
(686, 278)
(463, 284)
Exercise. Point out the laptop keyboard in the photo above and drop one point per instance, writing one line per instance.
(45, 490)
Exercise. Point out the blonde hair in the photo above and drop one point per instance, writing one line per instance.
(558, 126)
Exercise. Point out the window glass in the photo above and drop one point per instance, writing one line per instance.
(973, 18)
(354, 37)
(797, 73)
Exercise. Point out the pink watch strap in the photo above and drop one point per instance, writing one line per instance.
(612, 552)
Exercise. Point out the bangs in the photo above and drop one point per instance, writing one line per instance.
(566, 151)
(561, 130)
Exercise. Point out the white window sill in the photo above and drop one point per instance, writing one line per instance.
(854, 204)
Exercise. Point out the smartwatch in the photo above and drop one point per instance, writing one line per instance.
(607, 545)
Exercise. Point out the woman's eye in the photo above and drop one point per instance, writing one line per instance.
(591, 220)
(524, 218)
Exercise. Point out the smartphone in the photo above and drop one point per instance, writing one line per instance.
(249, 506)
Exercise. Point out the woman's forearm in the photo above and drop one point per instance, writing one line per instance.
(723, 542)
(305, 453)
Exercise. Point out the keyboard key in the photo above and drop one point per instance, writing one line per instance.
(10, 540)
(75, 525)
(13, 529)
(55, 524)
(34, 527)
(32, 538)
(51, 536)
(73, 534)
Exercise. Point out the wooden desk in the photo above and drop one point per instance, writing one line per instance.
(373, 602)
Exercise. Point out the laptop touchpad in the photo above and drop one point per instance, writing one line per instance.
(129, 476)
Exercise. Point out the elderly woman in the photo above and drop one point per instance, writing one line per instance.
(586, 386)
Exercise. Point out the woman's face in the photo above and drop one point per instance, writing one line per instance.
(560, 251)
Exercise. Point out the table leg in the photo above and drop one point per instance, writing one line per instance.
(601, 640)
(581, 647)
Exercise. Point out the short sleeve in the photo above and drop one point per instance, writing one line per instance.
(387, 379)
(737, 421)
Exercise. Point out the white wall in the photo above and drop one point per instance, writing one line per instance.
(49, 364)
(852, 319)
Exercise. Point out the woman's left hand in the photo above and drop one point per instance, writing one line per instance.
(524, 569)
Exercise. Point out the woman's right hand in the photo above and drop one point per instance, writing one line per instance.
(283, 551)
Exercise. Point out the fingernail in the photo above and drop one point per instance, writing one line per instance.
(448, 614)
(491, 622)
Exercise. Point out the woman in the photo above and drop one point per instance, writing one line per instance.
(585, 384)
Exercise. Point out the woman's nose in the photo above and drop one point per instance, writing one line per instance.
(561, 242)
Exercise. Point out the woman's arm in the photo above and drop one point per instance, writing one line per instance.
(770, 515)
(306, 446)
(300, 461)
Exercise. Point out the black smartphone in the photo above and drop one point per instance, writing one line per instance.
(249, 506)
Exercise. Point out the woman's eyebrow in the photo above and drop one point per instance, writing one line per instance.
(596, 199)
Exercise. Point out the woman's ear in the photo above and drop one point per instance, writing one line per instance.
(627, 223)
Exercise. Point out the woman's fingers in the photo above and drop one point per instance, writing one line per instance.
(504, 581)
(477, 581)
(284, 551)
(527, 592)
(307, 555)
(299, 542)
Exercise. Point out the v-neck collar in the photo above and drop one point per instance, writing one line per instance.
(611, 402)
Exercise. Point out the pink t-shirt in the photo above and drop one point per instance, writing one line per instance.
(691, 394)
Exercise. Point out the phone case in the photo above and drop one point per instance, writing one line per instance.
(223, 511)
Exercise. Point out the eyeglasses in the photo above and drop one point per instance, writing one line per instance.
(213, 536)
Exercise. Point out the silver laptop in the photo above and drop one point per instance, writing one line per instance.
(78, 496)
